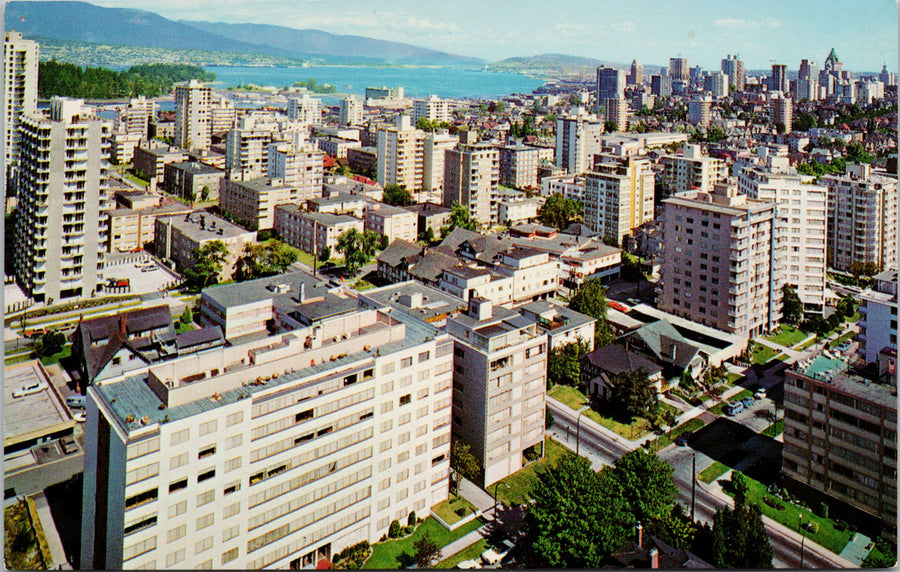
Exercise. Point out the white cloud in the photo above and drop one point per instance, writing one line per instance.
(426, 24)
(627, 27)
(740, 23)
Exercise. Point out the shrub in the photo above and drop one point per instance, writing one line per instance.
(411, 521)
(840, 525)
(409, 529)
(823, 510)
(461, 511)
(394, 530)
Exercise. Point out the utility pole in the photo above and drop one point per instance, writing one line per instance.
(693, 483)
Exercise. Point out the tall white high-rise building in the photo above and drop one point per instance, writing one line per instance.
(135, 116)
(401, 154)
(716, 83)
(435, 151)
(299, 166)
(472, 178)
(618, 195)
(273, 453)
(351, 111)
(64, 203)
(802, 208)
(734, 69)
(306, 109)
(20, 78)
(577, 140)
(193, 115)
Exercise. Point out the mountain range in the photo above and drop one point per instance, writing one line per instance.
(85, 22)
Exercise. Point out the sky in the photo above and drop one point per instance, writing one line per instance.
(761, 32)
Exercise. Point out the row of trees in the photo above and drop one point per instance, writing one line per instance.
(152, 80)
(265, 258)
(579, 517)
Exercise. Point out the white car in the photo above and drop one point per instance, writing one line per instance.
(495, 554)
(469, 565)
(29, 389)
(80, 416)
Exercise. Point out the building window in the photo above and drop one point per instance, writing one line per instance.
(404, 400)
(207, 452)
(205, 476)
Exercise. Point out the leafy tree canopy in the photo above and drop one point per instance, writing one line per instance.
(459, 217)
(590, 299)
(265, 259)
(634, 394)
(564, 363)
(357, 248)
(559, 212)
(396, 195)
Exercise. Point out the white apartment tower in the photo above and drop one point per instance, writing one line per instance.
(435, 151)
(723, 261)
(20, 79)
(610, 84)
(299, 167)
(472, 178)
(691, 171)
(577, 140)
(716, 83)
(64, 203)
(246, 152)
(193, 115)
(698, 111)
(136, 115)
(862, 218)
(401, 150)
(274, 453)
(802, 209)
(351, 111)
(305, 109)
(432, 108)
(734, 69)
(781, 110)
(618, 195)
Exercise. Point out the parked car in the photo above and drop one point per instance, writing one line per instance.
(747, 401)
(75, 401)
(732, 409)
(760, 393)
(495, 554)
(469, 565)
(683, 438)
(29, 389)
(80, 416)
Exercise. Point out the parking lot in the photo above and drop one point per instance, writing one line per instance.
(133, 267)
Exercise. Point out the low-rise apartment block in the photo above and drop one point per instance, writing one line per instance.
(133, 228)
(252, 203)
(193, 181)
(177, 237)
(840, 436)
(691, 171)
(392, 222)
(519, 166)
(150, 163)
(313, 231)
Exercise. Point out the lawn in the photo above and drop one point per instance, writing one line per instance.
(733, 378)
(522, 482)
(669, 438)
(21, 548)
(840, 340)
(807, 343)
(182, 328)
(854, 317)
(362, 285)
(717, 409)
(470, 553)
(775, 429)
(385, 553)
(50, 360)
(827, 536)
(447, 509)
(308, 259)
(713, 472)
(787, 336)
(762, 354)
(137, 180)
(576, 400)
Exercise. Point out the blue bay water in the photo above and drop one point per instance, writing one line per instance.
(446, 82)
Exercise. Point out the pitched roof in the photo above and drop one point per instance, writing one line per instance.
(666, 343)
(633, 556)
(398, 250)
(616, 359)
(457, 236)
(100, 339)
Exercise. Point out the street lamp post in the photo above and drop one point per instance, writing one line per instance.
(802, 539)
(496, 486)
(578, 431)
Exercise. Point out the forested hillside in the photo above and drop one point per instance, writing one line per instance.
(70, 80)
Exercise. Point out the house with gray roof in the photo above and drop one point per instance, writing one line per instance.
(601, 367)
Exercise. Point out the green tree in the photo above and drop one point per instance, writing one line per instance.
(463, 461)
(646, 484)
(715, 134)
(634, 394)
(357, 248)
(51, 342)
(427, 551)
(396, 195)
(265, 259)
(610, 127)
(383, 242)
(739, 538)
(208, 262)
(674, 528)
(564, 364)
(577, 517)
(204, 193)
(459, 217)
(804, 121)
(559, 212)
(590, 299)
(325, 254)
(187, 316)
(780, 128)
(427, 237)
(791, 306)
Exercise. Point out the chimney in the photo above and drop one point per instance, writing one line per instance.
(654, 558)
(640, 535)
(122, 328)
(302, 292)
(480, 308)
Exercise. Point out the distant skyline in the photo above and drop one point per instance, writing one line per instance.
(763, 32)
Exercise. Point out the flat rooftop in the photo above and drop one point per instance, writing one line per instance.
(835, 373)
(280, 286)
(32, 415)
(196, 168)
(135, 405)
(433, 307)
(200, 226)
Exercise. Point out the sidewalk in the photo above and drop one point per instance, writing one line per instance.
(53, 540)
(464, 542)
